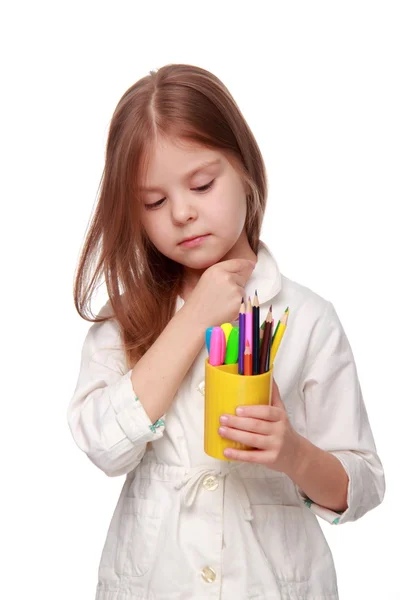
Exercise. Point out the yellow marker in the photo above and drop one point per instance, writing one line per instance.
(226, 328)
(280, 330)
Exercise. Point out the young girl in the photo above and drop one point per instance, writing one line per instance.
(176, 235)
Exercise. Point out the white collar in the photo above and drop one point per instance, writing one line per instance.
(266, 277)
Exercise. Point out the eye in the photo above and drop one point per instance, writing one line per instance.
(205, 188)
(154, 205)
(202, 189)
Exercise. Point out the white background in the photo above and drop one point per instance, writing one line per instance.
(318, 83)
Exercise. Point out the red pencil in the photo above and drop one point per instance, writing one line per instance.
(248, 360)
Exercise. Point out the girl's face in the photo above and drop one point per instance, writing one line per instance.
(185, 198)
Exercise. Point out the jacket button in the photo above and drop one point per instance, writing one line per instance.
(208, 574)
(210, 483)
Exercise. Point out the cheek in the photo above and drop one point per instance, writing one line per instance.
(154, 229)
(231, 214)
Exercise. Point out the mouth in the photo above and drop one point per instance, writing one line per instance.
(194, 240)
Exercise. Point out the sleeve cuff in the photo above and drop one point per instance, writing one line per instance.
(351, 512)
(332, 517)
(365, 490)
(131, 415)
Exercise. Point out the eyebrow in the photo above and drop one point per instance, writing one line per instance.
(204, 165)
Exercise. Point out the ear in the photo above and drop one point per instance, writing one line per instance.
(276, 396)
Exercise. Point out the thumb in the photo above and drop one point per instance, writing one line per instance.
(276, 396)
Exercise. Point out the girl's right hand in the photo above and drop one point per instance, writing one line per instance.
(218, 294)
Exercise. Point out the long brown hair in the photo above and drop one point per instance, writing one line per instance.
(179, 101)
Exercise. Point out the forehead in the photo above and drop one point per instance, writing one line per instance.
(177, 159)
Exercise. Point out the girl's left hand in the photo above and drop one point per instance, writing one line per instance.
(267, 429)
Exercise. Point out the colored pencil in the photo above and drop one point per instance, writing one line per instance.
(262, 333)
(249, 324)
(262, 329)
(266, 341)
(256, 335)
(268, 365)
(277, 327)
(242, 338)
(248, 362)
(280, 330)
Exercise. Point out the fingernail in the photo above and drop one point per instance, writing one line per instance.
(223, 419)
(239, 411)
(221, 430)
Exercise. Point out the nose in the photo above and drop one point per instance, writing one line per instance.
(183, 210)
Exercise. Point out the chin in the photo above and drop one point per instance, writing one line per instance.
(199, 264)
(202, 258)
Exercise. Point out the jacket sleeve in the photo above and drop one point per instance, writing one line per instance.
(337, 419)
(105, 417)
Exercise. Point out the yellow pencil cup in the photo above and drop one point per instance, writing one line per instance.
(225, 390)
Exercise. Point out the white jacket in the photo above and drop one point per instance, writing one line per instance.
(187, 526)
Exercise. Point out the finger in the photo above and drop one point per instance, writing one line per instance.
(238, 265)
(260, 411)
(260, 426)
(276, 397)
(241, 281)
(253, 440)
(253, 456)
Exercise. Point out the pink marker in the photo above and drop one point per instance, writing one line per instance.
(217, 347)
